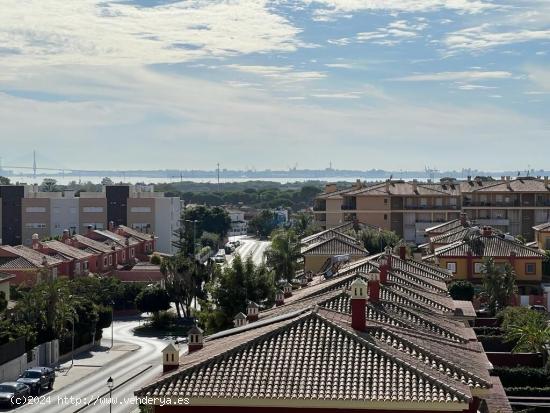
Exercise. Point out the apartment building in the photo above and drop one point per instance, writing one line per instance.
(25, 211)
(409, 208)
(239, 226)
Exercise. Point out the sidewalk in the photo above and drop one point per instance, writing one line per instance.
(88, 362)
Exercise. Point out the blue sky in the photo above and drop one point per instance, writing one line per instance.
(394, 84)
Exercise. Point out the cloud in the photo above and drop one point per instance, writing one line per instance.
(51, 32)
(450, 76)
(475, 87)
(340, 65)
(284, 74)
(394, 33)
(341, 95)
(540, 76)
(484, 37)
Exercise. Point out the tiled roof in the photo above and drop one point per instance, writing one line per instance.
(457, 234)
(487, 246)
(311, 359)
(326, 235)
(334, 246)
(95, 245)
(136, 234)
(5, 277)
(445, 226)
(119, 239)
(421, 268)
(542, 227)
(408, 188)
(67, 250)
(515, 185)
(18, 263)
(36, 258)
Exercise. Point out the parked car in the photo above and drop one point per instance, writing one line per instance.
(13, 393)
(539, 308)
(220, 256)
(38, 378)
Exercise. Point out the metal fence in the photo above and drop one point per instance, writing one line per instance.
(12, 350)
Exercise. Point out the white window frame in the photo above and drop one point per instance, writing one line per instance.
(451, 266)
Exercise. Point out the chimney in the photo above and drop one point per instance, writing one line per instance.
(508, 182)
(329, 188)
(388, 185)
(111, 226)
(383, 271)
(170, 358)
(358, 305)
(358, 184)
(66, 237)
(513, 255)
(463, 219)
(415, 186)
(90, 229)
(279, 298)
(287, 289)
(487, 231)
(469, 178)
(389, 257)
(374, 286)
(403, 251)
(239, 320)
(252, 311)
(195, 339)
(35, 242)
(546, 182)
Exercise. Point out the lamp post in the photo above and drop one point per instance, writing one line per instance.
(112, 323)
(72, 344)
(194, 221)
(110, 386)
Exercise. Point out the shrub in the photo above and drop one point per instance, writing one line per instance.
(495, 343)
(528, 391)
(163, 319)
(462, 290)
(153, 300)
(488, 331)
(155, 260)
(522, 376)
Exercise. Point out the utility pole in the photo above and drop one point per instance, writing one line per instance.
(34, 164)
(219, 177)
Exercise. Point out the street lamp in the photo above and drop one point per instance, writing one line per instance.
(110, 386)
(194, 221)
(112, 322)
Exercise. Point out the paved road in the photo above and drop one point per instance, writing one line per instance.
(250, 246)
(138, 368)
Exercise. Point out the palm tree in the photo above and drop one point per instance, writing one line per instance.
(303, 224)
(529, 336)
(283, 254)
(499, 284)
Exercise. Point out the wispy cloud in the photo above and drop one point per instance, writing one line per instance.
(455, 76)
(112, 32)
(286, 74)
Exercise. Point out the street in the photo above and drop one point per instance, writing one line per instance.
(129, 373)
(249, 246)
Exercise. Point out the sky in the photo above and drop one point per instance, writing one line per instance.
(273, 84)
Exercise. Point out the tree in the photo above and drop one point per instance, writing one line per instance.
(3, 302)
(233, 289)
(49, 185)
(303, 225)
(375, 241)
(499, 284)
(528, 329)
(264, 223)
(283, 254)
(196, 221)
(4, 180)
(107, 181)
(209, 239)
(462, 290)
(153, 300)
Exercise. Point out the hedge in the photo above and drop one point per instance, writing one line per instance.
(495, 343)
(488, 331)
(522, 376)
(528, 391)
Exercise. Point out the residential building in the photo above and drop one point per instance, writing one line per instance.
(409, 208)
(542, 236)
(382, 335)
(239, 226)
(28, 265)
(26, 211)
(5, 284)
(464, 258)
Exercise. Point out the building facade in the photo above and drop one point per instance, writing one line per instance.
(26, 211)
(409, 208)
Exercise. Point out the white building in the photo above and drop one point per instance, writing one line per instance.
(239, 226)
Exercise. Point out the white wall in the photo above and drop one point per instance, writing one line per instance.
(63, 215)
(167, 220)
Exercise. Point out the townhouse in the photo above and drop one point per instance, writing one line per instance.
(409, 208)
(28, 265)
(25, 211)
(382, 335)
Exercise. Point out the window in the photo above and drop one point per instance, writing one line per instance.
(104, 261)
(85, 265)
(54, 273)
(123, 255)
(35, 209)
(140, 209)
(423, 202)
(92, 209)
(110, 260)
(478, 267)
(385, 200)
(34, 225)
(438, 202)
(385, 217)
(530, 268)
(132, 253)
(451, 266)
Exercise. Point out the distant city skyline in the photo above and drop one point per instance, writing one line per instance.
(392, 84)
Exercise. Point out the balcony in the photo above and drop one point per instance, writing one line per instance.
(479, 204)
(494, 222)
(318, 208)
(431, 207)
(349, 207)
